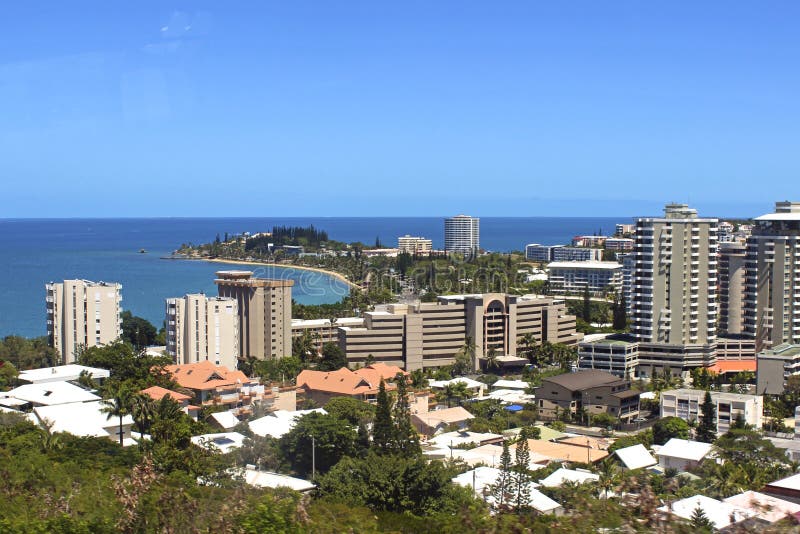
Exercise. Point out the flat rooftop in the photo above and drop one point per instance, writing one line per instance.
(599, 265)
(781, 351)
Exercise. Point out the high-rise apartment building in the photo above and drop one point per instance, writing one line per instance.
(462, 234)
(772, 285)
(82, 314)
(414, 245)
(201, 328)
(674, 291)
(731, 287)
(265, 313)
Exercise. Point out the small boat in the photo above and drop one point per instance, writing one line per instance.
(142, 251)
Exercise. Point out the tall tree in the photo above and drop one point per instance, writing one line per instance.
(620, 317)
(707, 429)
(333, 358)
(118, 406)
(700, 522)
(522, 476)
(586, 309)
(502, 489)
(383, 428)
(406, 437)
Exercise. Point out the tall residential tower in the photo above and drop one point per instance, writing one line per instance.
(462, 234)
(201, 328)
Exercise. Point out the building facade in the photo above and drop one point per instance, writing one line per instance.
(774, 367)
(429, 334)
(265, 313)
(462, 234)
(82, 314)
(592, 392)
(687, 403)
(548, 253)
(414, 245)
(674, 291)
(617, 355)
(201, 328)
(731, 287)
(772, 286)
(573, 277)
(620, 244)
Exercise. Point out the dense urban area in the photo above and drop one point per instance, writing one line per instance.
(645, 381)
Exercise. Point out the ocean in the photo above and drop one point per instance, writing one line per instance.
(37, 251)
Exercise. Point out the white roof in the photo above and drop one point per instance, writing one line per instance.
(602, 265)
(511, 384)
(341, 321)
(61, 373)
(226, 420)
(792, 482)
(766, 507)
(791, 216)
(81, 419)
(461, 438)
(647, 395)
(481, 478)
(223, 442)
(561, 475)
(510, 396)
(635, 457)
(279, 422)
(51, 393)
(470, 383)
(265, 479)
(718, 512)
(685, 449)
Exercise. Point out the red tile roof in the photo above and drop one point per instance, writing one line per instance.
(205, 375)
(342, 381)
(733, 366)
(373, 373)
(157, 393)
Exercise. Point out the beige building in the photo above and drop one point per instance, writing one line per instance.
(201, 328)
(687, 403)
(429, 334)
(593, 392)
(774, 367)
(674, 291)
(321, 330)
(265, 313)
(82, 314)
(731, 287)
(414, 245)
(573, 277)
(772, 287)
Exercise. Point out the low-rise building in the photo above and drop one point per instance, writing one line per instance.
(223, 442)
(563, 475)
(279, 422)
(635, 457)
(687, 405)
(594, 392)
(438, 421)
(63, 373)
(786, 488)
(548, 253)
(85, 419)
(321, 330)
(682, 454)
(481, 479)
(774, 366)
(414, 245)
(361, 384)
(738, 347)
(48, 394)
(765, 508)
(577, 452)
(573, 277)
(157, 393)
(618, 355)
(592, 241)
(721, 514)
(619, 244)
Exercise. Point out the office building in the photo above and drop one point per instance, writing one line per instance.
(462, 235)
(573, 277)
(265, 313)
(429, 334)
(731, 287)
(201, 328)
(617, 355)
(594, 392)
(82, 314)
(687, 405)
(537, 252)
(772, 286)
(674, 295)
(774, 367)
(414, 245)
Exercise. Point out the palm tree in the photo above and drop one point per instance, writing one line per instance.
(527, 345)
(491, 359)
(609, 476)
(118, 406)
(50, 439)
(142, 410)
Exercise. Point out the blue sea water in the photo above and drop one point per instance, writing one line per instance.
(37, 251)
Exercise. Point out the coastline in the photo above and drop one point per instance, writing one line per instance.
(332, 274)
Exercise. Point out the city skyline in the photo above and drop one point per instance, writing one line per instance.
(405, 110)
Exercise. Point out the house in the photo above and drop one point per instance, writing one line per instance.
(216, 385)
(786, 488)
(474, 387)
(686, 404)
(223, 442)
(63, 373)
(682, 454)
(461, 438)
(488, 455)
(566, 452)
(592, 391)
(481, 480)
(721, 514)
(47, 394)
(226, 420)
(85, 419)
(575, 476)
(157, 393)
(511, 384)
(635, 457)
(266, 479)
(437, 421)
(322, 386)
(765, 508)
(279, 422)
(586, 441)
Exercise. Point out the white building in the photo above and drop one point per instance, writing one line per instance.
(481, 480)
(223, 442)
(618, 355)
(82, 314)
(635, 457)
(63, 373)
(50, 394)
(462, 234)
(85, 419)
(686, 404)
(201, 328)
(571, 277)
(721, 514)
(682, 454)
(414, 245)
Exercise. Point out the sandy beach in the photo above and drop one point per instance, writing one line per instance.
(334, 274)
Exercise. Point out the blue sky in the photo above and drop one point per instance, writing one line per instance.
(397, 108)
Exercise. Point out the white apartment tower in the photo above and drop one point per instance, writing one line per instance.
(82, 314)
(201, 328)
(772, 283)
(674, 291)
(462, 234)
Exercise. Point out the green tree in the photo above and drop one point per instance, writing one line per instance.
(522, 475)
(700, 522)
(118, 406)
(333, 358)
(465, 358)
(707, 429)
(620, 317)
(492, 362)
(586, 308)
(383, 427)
(352, 410)
(503, 489)
(406, 438)
(26, 353)
(137, 331)
(8, 375)
(331, 439)
(668, 428)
